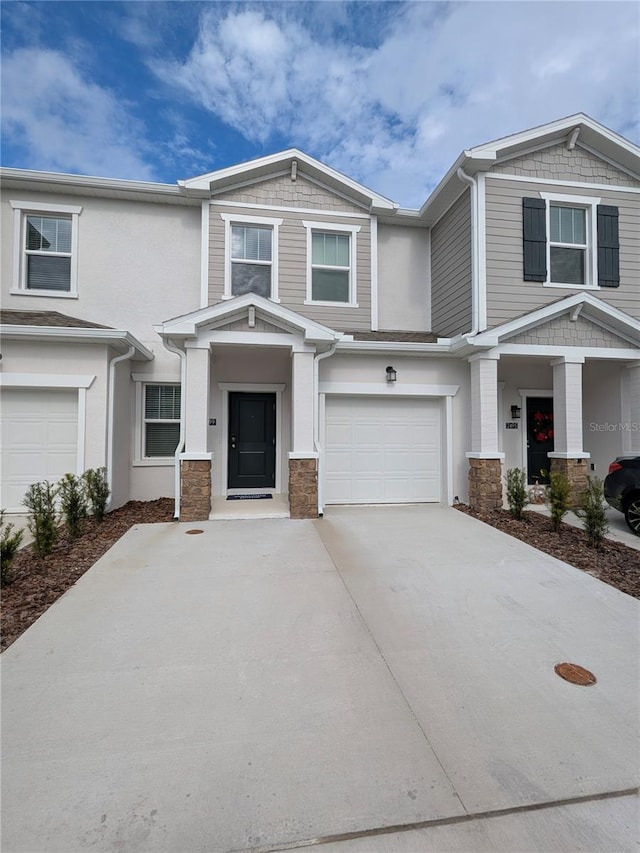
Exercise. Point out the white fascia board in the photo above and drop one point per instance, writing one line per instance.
(393, 347)
(189, 324)
(204, 182)
(88, 181)
(597, 309)
(67, 334)
(547, 352)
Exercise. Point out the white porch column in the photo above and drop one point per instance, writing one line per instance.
(567, 408)
(484, 407)
(633, 430)
(302, 405)
(197, 397)
(485, 459)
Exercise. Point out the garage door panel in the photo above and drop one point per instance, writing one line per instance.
(38, 434)
(382, 451)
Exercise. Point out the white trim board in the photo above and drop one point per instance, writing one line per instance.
(45, 380)
(501, 176)
(387, 389)
(334, 214)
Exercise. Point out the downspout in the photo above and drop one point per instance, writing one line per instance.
(475, 251)
(111, 417)
(316, 424)
(169, 345)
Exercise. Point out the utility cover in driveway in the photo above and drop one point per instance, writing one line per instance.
(382, 450)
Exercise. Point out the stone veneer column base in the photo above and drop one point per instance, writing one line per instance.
(195, 498)
(303, 488)
(575, 470)
(485, 484)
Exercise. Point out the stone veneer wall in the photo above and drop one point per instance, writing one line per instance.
(576, 471)
(195, 497)
(485, 484)
(303, 488)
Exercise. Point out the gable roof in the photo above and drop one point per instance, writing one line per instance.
(574, 129)
(579, 304)
(189, 325)
(286, 161)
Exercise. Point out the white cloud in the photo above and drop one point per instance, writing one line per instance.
(443, 78)
(66, 123)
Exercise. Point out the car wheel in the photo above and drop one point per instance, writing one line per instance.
(632, 515)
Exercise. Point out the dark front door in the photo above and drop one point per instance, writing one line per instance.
(252, 440)
(539, 437)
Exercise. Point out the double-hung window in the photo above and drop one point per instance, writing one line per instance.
(45, 245)
(331, 263)
(568, 245)
(161, 428)
(251, 256)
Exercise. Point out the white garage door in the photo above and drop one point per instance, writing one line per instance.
(39, 439)
(382, 451)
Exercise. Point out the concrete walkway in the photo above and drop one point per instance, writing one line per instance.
(381, 679)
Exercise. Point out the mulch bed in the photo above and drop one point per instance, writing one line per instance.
(39, 581)
(613, 562)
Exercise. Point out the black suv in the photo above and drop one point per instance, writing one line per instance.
(622, 489)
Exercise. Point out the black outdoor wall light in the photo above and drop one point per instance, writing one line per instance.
(515, 412)
(391, 374)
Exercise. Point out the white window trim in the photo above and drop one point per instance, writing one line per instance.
(20, 211)
(352, 231)
(589, 205)
(230, 219)
(139, 459)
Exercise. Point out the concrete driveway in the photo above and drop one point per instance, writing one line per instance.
(381, 679)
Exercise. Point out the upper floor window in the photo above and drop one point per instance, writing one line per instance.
(251, 256)
(45, 249)
(331, 263)
(570, 241)
(568, 245)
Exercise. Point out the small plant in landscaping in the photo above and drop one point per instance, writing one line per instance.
(73, 503)
(593, 515)
(40, 501)
(517, 496)
(557, 497)
(97, 490)
(9, 544)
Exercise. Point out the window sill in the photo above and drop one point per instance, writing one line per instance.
(571, 286)
(158, 462)
(331, 304)
(56, 294)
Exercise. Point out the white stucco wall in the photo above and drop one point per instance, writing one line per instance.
(138, 263)
(404, 292)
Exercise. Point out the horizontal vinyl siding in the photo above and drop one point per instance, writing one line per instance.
(292, 264)
(451, 269)
(508, 295)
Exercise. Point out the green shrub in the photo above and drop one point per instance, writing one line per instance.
(517, 496)
(593, 515)
(9, 544)
(557, 497)
(73, 503)
(97, 490)
(40, 501)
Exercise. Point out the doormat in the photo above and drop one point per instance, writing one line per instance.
(249, 497)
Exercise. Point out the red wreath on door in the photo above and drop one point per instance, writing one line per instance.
(543, 426)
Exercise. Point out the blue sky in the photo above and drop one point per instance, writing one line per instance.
(387, 92)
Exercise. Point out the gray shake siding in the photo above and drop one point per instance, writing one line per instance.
(508, 295)
(560, 164)
(572, 333)
(281, 191)
(292, 264)
(451, 270)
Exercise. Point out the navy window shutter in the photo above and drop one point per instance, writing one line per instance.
(534, 236)
(608, 247)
